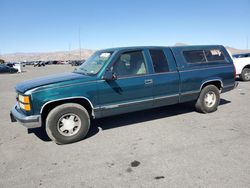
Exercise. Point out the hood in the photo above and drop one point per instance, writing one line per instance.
(53, 79)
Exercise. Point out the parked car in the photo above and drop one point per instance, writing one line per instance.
(122, 80)
(19, 66)
(48, 62)
(7, 69)
(242, 65)
(77, 62)
(10, 64)
(62, 62)
(54, 62)
(39, 64)
(29, 62)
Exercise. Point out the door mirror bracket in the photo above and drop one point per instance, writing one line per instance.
(109, 75)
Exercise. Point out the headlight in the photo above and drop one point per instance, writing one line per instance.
(24, 99)
(24, 102)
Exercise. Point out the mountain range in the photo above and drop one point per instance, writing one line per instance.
(48, 56)
(72, 55)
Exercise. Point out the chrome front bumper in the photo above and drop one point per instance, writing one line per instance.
(27, 121)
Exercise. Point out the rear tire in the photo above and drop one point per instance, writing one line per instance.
(245, 74)
(67, 123)
(208, 100)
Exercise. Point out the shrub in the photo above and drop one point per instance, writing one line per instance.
(1, 61)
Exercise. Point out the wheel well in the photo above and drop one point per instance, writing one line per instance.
(47, 108)
(247, 66)
(218, 84)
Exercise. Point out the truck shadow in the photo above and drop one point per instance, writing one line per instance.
(143, 116)
(130, 119)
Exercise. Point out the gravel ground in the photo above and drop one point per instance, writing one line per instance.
(172, 146)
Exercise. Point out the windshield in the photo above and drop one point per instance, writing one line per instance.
(94, 64)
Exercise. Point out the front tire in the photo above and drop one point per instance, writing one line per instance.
(67, 123)
(245, 74)
(208, 100)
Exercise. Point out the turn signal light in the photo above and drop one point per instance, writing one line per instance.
(25, 106)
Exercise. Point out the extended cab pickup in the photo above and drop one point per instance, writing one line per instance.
(122, 80)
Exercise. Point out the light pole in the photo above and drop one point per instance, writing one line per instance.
(79, 38)
(69, 51)
(247, 42)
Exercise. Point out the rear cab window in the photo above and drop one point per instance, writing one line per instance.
(159, 60)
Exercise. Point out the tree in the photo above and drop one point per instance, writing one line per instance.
(1, 61)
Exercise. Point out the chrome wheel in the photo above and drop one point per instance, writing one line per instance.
(69, 124)
(210, 99)
(247, 75)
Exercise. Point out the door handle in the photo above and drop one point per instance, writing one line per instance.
(150, 81)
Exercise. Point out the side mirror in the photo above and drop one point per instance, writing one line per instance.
(109, 75)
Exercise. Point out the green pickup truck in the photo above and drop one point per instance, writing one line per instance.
(121, 80)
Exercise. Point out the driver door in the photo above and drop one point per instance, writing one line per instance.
(132, 90)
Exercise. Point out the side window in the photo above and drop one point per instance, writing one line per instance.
(214, 55)
(194, 56)
(159, 61)
(130, 63)
(203, 56)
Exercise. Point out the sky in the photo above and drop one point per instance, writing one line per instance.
(59, 25)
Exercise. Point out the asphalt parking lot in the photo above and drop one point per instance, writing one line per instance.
(172, 146)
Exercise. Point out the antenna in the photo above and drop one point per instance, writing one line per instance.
(247, 42)
(79, 38)
(248, 6)
(69, 51)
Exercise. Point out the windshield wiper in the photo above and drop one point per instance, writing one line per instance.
(84, 73)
